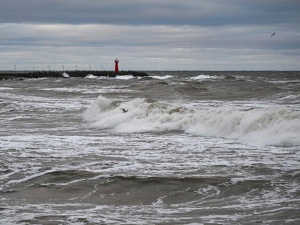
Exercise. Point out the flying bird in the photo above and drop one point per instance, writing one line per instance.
(272, 34)
(124, 110)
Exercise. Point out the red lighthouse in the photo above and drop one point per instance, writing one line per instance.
(116, 66)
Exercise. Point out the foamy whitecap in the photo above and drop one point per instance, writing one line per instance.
(204, 77)
(162, 77)
(124, 77)
(66, 75)
(278, 125)
(91, 76)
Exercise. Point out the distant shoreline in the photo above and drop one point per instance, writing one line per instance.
(8, 75)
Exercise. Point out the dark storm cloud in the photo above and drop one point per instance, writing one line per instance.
(151, 12)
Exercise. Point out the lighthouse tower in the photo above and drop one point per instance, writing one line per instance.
(116, 66)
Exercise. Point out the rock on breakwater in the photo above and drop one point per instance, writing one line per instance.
(4, 75)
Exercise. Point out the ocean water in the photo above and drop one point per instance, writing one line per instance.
(193, 148)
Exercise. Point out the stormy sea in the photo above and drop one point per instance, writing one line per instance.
(188, 148)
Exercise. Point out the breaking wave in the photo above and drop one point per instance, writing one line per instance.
(267, 126)
(125, 77)
(205, 77)
(162, 77)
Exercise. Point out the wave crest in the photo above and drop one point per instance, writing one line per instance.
(276, 126)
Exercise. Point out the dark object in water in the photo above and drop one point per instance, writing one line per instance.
(124, 110)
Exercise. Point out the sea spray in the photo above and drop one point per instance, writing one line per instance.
(277, 125)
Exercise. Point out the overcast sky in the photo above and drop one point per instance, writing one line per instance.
(150, 34)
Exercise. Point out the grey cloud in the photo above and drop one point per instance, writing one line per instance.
(97, 35)
(158, 46)
(166, 36)
(154, 12)
(145, 58)
(150, 34)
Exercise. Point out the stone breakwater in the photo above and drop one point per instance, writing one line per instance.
(82, 73)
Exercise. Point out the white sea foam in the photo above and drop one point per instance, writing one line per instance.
(204, 77)
(91, 76)
(5, 88)
(276, 125)
(125, 77)
(66, 75)
(84, 90)
(162, 77)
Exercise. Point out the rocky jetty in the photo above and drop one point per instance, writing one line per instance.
(78, 73)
